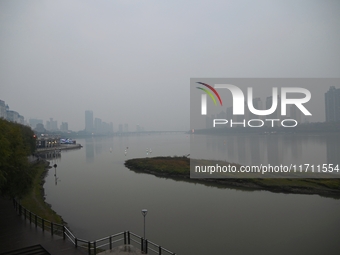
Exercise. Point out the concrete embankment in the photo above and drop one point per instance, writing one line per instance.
(61, 147)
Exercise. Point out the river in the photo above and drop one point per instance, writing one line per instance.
(98, 196)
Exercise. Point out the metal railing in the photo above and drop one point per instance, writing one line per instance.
(93, 247)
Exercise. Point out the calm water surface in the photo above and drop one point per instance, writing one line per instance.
(98, 196)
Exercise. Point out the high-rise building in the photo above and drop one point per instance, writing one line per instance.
(332, 104)
(52, 125)
(64, 127)
(89, 121)
(98, 125)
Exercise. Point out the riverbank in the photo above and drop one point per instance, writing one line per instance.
(35, 199)
(61, 147)
(178, 168)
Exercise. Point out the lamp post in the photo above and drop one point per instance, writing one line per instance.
(144, 213)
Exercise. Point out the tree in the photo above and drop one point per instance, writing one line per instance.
(16, 144)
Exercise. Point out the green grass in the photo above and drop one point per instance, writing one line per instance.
(180, 166)
(34, 200)
(170, 165)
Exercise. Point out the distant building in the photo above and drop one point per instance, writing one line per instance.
(257, 103)
(52, 125)
(3, 110)
(126, 128)
(98, 126)
(21, 120)
(276, 114)
(229, 113)
(295, 113)
(64, 127)
(111, 127)
(40, 128)
(106, 128)
(140, 128)
(89, 121)
(34, 122)
(332, 104)
(209, 121)
(12, 116)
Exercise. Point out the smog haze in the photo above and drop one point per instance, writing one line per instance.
(131, 61)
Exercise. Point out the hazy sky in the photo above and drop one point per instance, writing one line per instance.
(131, 61)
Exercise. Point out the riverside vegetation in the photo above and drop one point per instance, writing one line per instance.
(20, 178)
(179, 168)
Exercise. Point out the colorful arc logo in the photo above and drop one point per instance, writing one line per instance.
(204, 97)
(209, 93)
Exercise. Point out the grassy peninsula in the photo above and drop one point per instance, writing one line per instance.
(179, 168)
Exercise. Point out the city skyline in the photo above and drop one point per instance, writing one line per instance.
(91, 124)
(94, 124)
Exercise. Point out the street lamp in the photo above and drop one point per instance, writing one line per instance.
(144, 213)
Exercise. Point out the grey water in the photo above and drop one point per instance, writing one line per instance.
(98, 196)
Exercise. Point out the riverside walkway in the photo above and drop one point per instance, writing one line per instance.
(16, 234)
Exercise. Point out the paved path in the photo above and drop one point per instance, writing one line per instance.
(17, 233)
(122, 250)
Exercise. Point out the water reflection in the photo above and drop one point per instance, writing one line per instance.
(50, 155)
(273, 143)
(230, 147)
(56, 178)
(333, 149)
(89, 149)
(274, 149)
(255, 148)
(212, 221)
